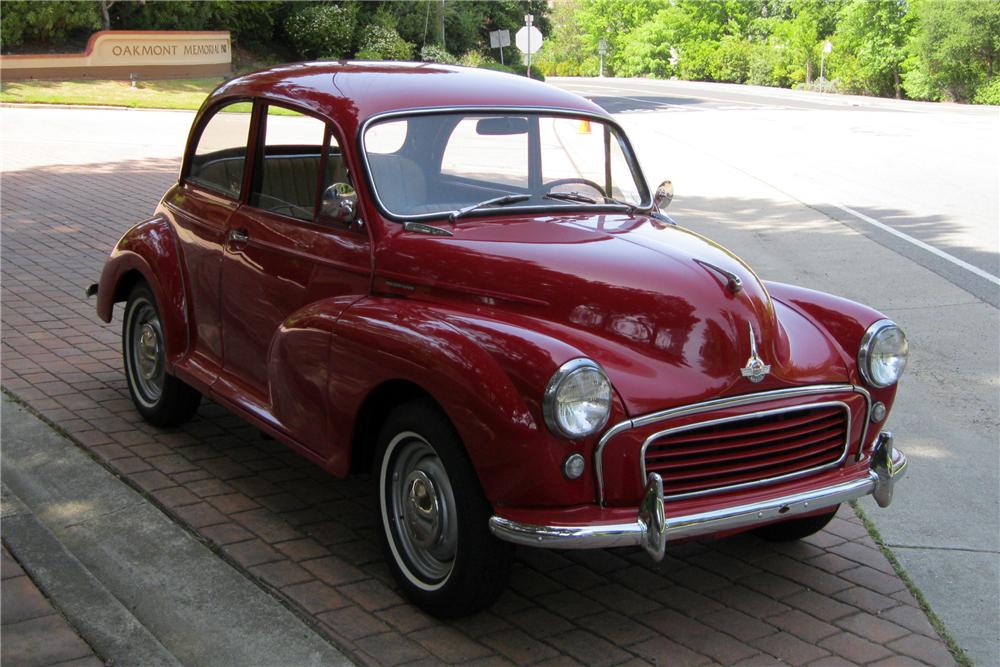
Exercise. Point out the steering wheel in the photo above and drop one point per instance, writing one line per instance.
(568, 181)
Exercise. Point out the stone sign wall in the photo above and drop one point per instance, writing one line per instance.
(117, 54)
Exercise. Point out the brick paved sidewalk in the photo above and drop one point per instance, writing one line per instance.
(35, 634)
(832, 599)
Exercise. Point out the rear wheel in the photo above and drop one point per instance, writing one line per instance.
(435, 519)
(796, 529)
(159, 397)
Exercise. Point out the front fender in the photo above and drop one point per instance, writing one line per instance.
(844, 321)
(148, 250)
(488, 385)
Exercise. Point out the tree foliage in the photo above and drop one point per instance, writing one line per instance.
(955, 50)
(928, 49)
(46, 22)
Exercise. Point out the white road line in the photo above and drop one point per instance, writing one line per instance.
(920, 244)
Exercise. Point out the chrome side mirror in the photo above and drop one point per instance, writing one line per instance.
(339, 203)
(664, 195)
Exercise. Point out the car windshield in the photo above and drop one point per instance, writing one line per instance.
(456, 164)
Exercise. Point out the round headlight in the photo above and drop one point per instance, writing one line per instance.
(883, 353)
(577, 401)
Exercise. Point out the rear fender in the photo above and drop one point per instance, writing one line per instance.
(149, 251)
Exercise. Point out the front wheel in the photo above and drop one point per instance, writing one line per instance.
(160, 398)
(435, 519)
(796, 529)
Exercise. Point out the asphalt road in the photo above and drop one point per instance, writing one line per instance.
(891, 203)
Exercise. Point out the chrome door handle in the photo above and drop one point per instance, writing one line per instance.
(238, 236)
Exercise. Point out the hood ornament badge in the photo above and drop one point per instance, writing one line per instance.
(755, 370)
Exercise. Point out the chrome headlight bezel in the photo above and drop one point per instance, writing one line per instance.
(872, 336)
(567, 371)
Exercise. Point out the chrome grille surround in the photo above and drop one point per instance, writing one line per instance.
(750, 417)
(722, 403)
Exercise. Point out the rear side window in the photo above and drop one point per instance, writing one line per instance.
(291, 167)
(218, 159)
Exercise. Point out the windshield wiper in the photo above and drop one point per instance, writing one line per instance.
(571, 196)
(629, 208)
(496, 201)
(584, 199)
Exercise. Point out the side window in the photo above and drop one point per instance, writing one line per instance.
(291, 167)
(218, 159)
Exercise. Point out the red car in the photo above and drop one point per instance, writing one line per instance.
(459, 281)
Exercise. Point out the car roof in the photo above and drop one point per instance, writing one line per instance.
(351, 92)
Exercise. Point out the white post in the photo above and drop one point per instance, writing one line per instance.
(528, 20)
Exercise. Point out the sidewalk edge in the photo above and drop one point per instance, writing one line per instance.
(97, 615)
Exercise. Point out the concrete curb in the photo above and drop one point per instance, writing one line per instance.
(197, 606)
(100, 618)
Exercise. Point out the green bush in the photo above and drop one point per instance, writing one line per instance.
(322, 31)
(536, 72)
(432, 53)
(696, 61)
(767, 67)
(731, 60)
(567, 69)
(378, 42)
(473, 59)
(46, 22)
(989, 92)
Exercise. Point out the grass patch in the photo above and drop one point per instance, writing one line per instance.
(956, 651)
(167, 94)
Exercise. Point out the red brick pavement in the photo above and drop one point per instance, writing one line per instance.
(831, 599)
(34, 633)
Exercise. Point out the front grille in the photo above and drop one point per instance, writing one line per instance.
(734, 452)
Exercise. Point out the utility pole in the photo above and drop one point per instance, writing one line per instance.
(443, 46)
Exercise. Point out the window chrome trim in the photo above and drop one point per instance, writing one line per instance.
(752, 415)
(721, 404)
(645, 206)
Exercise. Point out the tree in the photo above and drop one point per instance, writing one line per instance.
(870, 46)
(955, 50)
(46, 22)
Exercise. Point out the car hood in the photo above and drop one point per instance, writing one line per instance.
(651, 302)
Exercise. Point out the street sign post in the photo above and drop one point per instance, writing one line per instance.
(498, 40)
(827, 48)
(602, 49)
(528, 39)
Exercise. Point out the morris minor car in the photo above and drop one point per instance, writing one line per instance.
(459, 282)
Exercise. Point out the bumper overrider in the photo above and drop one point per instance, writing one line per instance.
(652, 529)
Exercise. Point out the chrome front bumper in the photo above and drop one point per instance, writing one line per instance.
(652, 528)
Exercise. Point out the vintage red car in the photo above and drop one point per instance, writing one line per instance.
(459, 281)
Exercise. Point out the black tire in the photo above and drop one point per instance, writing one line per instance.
(434, 517)
(796, 529)
(160, 398)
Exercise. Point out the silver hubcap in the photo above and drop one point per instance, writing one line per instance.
(146, 353)
(418, 497)
(421, 511)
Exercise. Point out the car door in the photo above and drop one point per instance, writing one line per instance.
(201, 204)
(281, 257)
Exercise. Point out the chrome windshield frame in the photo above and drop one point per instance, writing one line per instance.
(645, 206)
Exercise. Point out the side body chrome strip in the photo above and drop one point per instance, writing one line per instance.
(721, 404)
